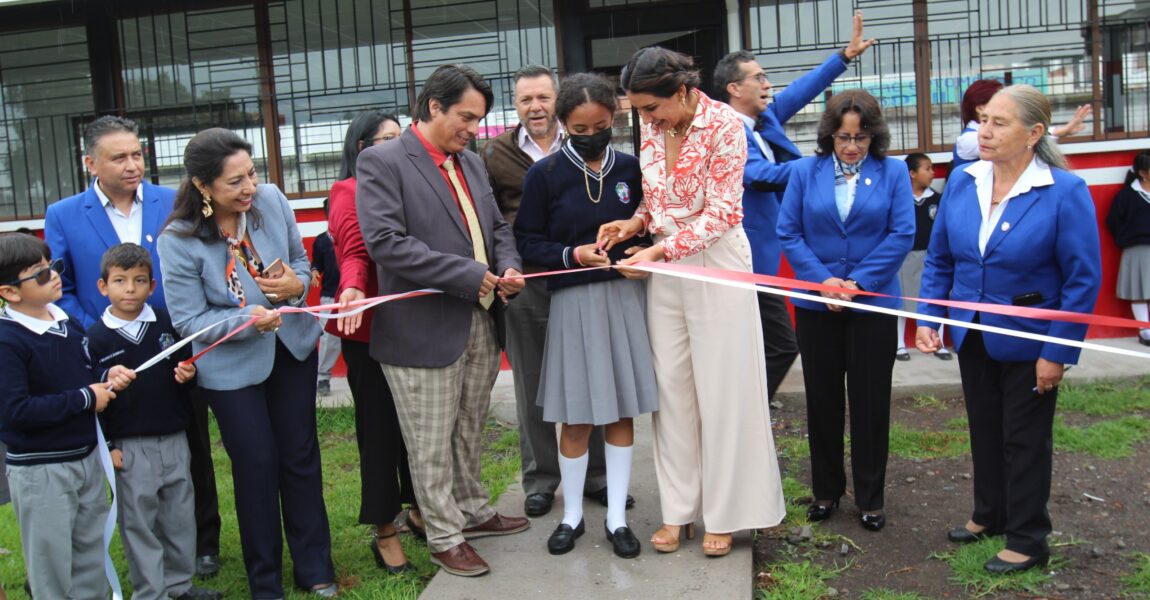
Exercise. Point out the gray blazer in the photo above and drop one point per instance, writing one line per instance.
(415, 233)
(196, 290)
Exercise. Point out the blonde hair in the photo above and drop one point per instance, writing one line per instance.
(1033, 108)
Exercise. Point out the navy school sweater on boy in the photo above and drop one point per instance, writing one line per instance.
(154, 404)
(46, 408)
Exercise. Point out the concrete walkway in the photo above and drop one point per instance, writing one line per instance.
(522, 568)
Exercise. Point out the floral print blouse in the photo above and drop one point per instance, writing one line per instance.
(702, 197)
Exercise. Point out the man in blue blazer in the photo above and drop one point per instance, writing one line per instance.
(743, 84)
(118, 207)
(121, 207)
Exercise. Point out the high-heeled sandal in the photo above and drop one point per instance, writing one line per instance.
(715, 537)
(380, 562)
(664, 533)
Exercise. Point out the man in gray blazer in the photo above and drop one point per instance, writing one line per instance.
(429, 220)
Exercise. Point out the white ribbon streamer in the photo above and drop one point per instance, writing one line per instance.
(898, 313)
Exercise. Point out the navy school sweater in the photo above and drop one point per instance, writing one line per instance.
(154, 404)
(46, 409)
(557, 214)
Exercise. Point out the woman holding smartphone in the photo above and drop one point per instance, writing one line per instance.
(226, 251)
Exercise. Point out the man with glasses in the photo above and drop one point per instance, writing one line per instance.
(121, 207)
(743, 84)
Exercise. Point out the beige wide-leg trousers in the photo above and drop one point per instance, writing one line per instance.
(714, 451)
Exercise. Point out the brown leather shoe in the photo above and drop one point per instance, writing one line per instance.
(497, 525)
(461, 560)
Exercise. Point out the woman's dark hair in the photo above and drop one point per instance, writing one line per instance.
(19, 251)
(659, 72)
(1141, 163)
(359, 135)
(581, 88)
(446, 86)
(870, 120)
(204, 159)
(979, 93)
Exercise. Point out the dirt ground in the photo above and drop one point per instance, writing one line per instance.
(925, 498)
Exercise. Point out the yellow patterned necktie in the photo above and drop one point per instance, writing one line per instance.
(472, 223)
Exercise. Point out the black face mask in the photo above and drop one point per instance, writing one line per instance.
(590, 147)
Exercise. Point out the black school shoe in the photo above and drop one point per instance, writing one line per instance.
(623, 541)
(562, 540)
(538, 504)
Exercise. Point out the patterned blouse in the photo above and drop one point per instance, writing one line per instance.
(702, 197)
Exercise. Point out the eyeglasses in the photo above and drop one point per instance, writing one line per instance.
(43, 276)
(760, 77)
(861, 139)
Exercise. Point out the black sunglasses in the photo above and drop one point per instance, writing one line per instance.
(43, 276)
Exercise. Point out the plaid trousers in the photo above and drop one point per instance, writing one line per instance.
(442, 412)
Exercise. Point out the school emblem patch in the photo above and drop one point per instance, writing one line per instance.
(166, 341)
(623, 192)
(932, 210)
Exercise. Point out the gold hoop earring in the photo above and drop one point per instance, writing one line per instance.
(207, 209)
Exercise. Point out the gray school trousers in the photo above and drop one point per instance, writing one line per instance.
(157, 514)
(61, 508)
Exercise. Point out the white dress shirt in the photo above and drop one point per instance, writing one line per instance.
(763, 145)
(528, 145)
(129, 227)
(1037, 174)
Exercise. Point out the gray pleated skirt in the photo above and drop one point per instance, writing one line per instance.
(910, 277)
(1134, 273)
(597, 365)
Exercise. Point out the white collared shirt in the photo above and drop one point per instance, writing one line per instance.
(966, 146)
(528, 145)
(918, 200)
(132, 328)
(38, 326)
(1136, 185)
(1037, 174)
(129, 227)
(763, 145)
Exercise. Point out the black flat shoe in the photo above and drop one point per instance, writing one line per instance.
(601, 496)
(821, 512)
(538, 504)
(562, 540)
(998, 566)
(379, 562)
(624, 542)
(962, 535)
(872, 522)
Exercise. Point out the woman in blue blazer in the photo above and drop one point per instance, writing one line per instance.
(847, 221)
(1014, 228)
(232, 249)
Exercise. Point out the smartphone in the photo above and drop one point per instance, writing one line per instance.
(273, 270)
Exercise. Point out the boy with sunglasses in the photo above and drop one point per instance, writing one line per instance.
(47, 412)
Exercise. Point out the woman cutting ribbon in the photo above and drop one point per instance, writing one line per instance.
(232, 249)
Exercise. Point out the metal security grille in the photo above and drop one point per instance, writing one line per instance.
(45, 91)
(1076, 52)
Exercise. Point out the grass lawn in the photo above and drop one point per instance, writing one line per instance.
(358, 575)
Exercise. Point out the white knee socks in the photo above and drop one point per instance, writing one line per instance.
(900, 344)
(618, 459)
(574, 471)
(1141, 313)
